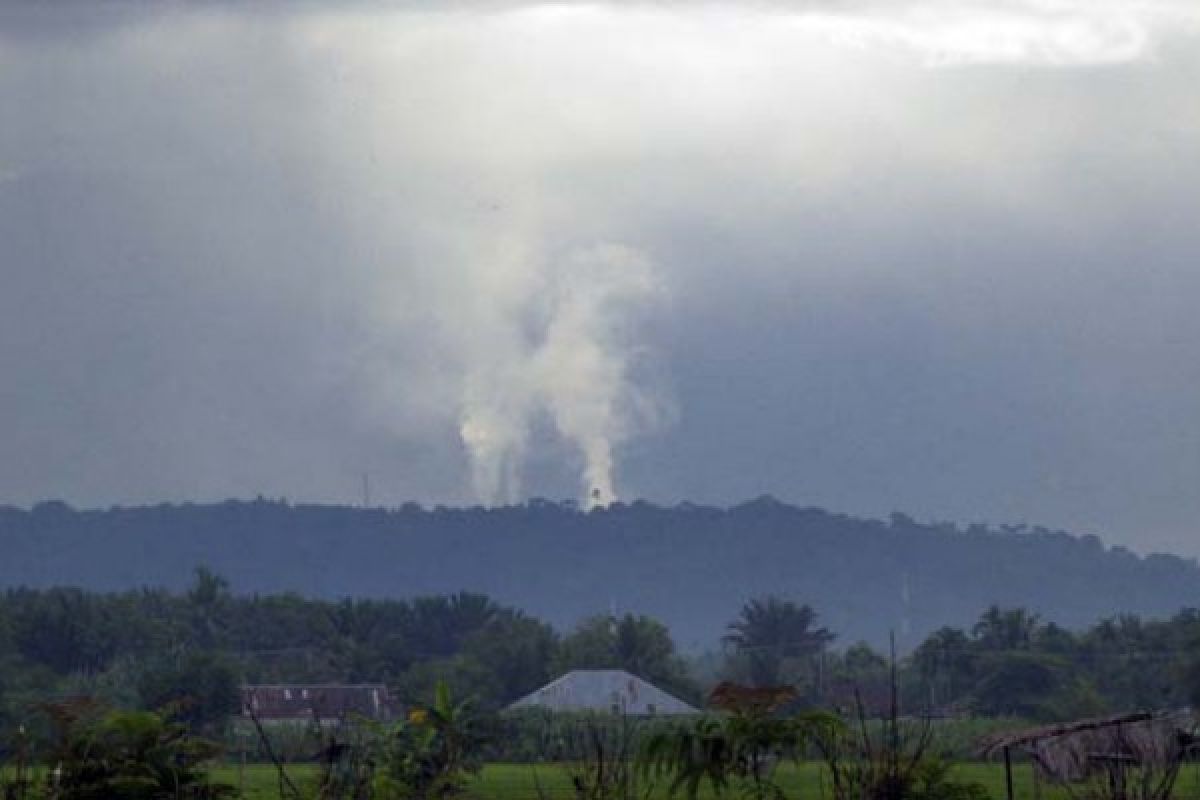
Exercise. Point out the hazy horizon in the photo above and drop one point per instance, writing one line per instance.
(929, 257)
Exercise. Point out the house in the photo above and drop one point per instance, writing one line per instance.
(324, 703)
(608, 690)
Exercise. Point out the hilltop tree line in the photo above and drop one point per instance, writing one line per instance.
(151, 647)
(687, 566)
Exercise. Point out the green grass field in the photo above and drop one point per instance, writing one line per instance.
(551, 782)
(530, 782)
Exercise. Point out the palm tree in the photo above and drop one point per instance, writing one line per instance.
(643, 646)
(770, 631)
(946, 664)
(637, 644)
(438, 625)
(1006, 629)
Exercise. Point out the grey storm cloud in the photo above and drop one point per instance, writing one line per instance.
(936, 257)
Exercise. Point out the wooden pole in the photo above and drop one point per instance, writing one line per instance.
(1008, 774)
(1037, 779)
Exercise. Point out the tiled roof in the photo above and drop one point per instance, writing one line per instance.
(315, 701)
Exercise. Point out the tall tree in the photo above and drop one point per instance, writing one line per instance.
(439, 625)
(1006, 629)
(209, 597)
(515, 651)
(638, 644)
(770, 634)
(945, 666)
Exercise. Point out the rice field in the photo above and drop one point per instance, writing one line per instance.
(551, 782)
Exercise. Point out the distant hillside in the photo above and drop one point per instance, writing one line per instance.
(690, 566)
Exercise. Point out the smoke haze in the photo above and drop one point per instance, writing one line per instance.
(937, 257)
(570, 361)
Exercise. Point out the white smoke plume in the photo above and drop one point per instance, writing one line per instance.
(567, 353)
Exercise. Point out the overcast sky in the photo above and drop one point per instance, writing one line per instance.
(941, 258)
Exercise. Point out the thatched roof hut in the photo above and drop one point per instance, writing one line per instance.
(1124, 756)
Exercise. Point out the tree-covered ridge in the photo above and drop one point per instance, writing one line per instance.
(685, 565)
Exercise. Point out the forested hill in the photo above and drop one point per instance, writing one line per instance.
(690, 566)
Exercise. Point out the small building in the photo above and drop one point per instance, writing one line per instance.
(324, 703)
(605, 690)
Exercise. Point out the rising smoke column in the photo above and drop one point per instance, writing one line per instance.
(575, 364)
(583, 366)
(498, 393)
(495, 429)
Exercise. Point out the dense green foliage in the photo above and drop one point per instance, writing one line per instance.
(772, 635)
(150, 648)
(104, 754)
(739, 752)
(427, 755)
(1011, 662)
